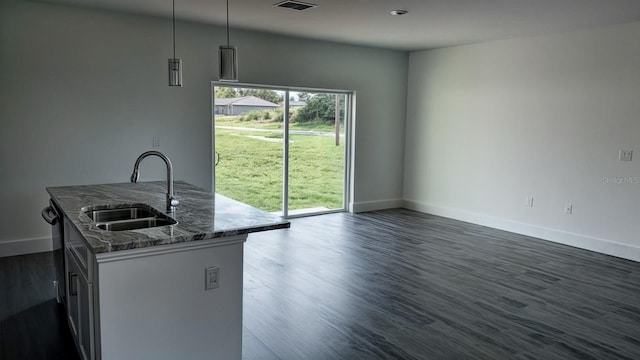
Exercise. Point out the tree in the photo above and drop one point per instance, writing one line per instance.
(320, 107)
(264, 94)
(225, 92)
(303, 96)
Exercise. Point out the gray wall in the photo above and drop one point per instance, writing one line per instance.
(83, 92)
(489, 125)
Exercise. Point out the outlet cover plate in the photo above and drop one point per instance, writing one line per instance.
(212, 277)
(625, 155)
(568, 209)
(529, 201)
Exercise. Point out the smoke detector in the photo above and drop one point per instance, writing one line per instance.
(294, 5)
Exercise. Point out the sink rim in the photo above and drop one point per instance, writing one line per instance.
(118, 207)
(120, 214)
(165, 221)
(156, 215)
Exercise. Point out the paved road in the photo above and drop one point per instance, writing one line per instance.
(291, 132)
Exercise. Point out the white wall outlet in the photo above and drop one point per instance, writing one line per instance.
(212, 277)
(529, 201)
(625, 155)
(156, 142)
(568, 208)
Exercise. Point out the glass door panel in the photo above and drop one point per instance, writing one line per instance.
(316, 181)
(249, 144)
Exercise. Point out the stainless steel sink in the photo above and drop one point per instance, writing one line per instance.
(127, 217)
(119, 214)
(135, 224)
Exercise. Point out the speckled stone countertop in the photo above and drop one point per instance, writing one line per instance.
(200, 215)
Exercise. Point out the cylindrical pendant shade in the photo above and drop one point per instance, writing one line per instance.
(175, 72)
(228, 63)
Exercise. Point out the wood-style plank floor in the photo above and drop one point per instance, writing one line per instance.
(393, 284)
(32, 324)
(399, 284)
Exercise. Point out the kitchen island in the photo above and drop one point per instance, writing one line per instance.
(163, 292)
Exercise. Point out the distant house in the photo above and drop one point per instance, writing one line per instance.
(242, 105)
(297, 104)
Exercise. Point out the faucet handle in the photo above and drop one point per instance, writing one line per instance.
(174, 202)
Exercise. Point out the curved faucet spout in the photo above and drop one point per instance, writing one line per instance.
(171, 200)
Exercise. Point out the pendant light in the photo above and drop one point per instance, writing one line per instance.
(175, 65)
(228, 58)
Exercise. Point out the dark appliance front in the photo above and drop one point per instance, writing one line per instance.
(53, 216)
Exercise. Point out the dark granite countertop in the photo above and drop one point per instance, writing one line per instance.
(200, 215)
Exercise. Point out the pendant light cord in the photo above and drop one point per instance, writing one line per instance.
(174, 29)
(227, 23)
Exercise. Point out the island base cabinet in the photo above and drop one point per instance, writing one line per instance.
(80, 308)
(72, 296)
(85, 303)
(79, 292)
(153, 304)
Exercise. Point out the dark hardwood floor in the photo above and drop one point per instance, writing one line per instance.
(32, 324)
(392, 284)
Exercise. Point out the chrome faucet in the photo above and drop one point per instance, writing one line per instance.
(172, 202)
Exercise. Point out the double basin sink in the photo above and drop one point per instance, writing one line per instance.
(127, 217)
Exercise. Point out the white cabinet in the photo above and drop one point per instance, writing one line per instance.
(79, 293)
(85, 304)
(72, 294)
(152, 303)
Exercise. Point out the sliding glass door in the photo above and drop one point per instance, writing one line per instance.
(283, 150)
(316, 152)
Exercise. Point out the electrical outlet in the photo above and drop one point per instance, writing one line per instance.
(625, 155)
(568, 208)
(212, 277)
(529, 202)
(156, 142)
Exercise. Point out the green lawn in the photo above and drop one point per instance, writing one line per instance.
(250, 169)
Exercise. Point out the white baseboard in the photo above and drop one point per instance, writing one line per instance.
(29, 246)
(607, 247)
(363, 206)
(25, 246)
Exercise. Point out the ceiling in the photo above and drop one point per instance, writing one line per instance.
(429, 23)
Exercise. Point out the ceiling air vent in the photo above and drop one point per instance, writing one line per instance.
(295, 5)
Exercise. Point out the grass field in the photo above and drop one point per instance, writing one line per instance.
(250, 168)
